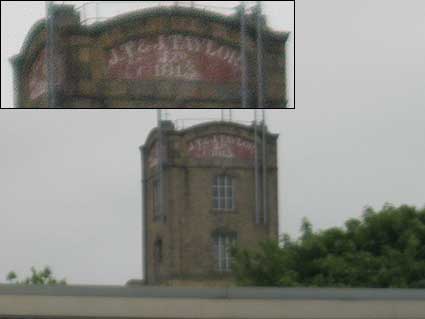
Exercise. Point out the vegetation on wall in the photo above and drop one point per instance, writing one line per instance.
(37, 277)
(384, 248)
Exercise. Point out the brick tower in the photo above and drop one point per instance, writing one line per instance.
(202, 193)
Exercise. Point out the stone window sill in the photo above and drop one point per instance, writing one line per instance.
(223, 211)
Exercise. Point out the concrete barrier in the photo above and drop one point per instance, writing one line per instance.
(164, 302)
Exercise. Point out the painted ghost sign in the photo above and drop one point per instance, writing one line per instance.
(221, 146)
(37, 79)
(153, 156)
(177, 57)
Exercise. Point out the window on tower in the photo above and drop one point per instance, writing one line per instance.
(158, 251)
(155, 198)
(223, 242)
(223, 193)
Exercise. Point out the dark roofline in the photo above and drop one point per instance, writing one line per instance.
(151, 135)
(202, 126)
(216, 293)
(37, 28)
(231, 20)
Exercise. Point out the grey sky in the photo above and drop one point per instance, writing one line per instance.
(70, 194)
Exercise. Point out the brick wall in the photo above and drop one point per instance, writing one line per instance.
(157, 58)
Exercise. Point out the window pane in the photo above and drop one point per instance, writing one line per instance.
(228, 181)
(155, 196)
(229, 203)
(220, 252)
(215, 191)
(228, 262)
(228, 255)
(221, 192)
(229, 191)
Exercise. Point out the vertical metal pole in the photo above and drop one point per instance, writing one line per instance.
(85, 14)
(244, 75)
(50, 56)
(256, 167)
(230, 115)
(220, 251)
(160, 165)
(265, 199)
(260, 80)
(222, 115)
(97, 11)
(144, 216)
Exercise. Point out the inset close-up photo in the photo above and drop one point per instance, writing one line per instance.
(154, 54)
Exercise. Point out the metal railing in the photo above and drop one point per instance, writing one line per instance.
(181, 124)
(98, 11)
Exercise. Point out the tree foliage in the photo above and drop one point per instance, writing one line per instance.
(41, 277)
(384, 248)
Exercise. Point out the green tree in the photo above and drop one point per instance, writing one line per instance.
(384, 248)
(41, 277)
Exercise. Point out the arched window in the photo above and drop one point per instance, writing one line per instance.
(158, 204)
(223, 193)
(158, 251)
(223, 242)
(155, 198)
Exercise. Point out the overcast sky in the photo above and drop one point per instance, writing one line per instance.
(70, 180)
